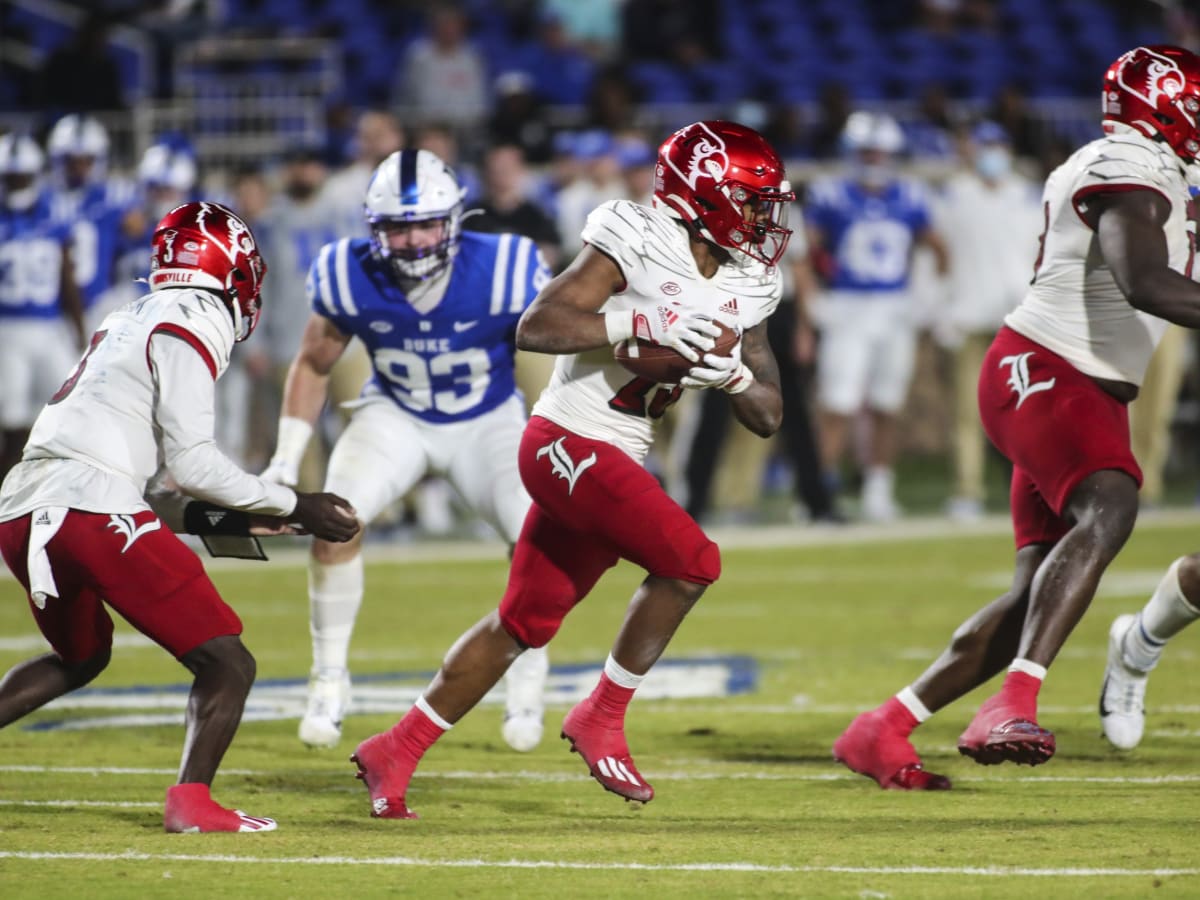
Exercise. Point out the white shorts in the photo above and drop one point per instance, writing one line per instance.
(384, 452)
(867, 352)
(38, 356)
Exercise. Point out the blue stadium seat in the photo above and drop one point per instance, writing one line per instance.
(661, 83)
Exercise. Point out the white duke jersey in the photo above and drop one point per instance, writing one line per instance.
(453, 362)
(591, 393)
(1073, 305)
(140, 399)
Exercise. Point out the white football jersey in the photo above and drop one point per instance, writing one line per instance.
(140, 399)
(1073, 305)
(591, 393)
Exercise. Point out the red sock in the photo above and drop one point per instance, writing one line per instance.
(609, 701)
(898, 716)
(1019, 693)
(191, 793)
(416, 733)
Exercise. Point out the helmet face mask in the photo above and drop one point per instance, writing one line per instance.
(872, 142)
(1155, 91)
(413, 208)
(21, 162)
(727, 183)
(206, 245)
(78, 145)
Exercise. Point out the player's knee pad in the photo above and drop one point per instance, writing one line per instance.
(530, 622)
(697, 561)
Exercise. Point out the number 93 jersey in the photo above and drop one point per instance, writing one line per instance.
(870, 235)
(454, 361)
(591, 393)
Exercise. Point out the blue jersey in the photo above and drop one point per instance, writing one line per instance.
(31, 255)
(94, 214)
(455, 361)
(870, 235)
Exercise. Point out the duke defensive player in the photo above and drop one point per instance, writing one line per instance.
(37, 291)
(92, 204)
(437, 308)
(868, 224)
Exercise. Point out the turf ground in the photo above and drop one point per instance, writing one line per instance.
(749, 803)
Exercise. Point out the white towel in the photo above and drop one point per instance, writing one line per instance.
(44, 524)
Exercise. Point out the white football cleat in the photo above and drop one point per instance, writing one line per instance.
(524, 703)
(328, 702)
(1123, 694)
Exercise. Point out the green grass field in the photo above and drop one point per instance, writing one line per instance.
(749, 802)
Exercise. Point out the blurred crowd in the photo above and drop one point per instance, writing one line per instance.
(912, 240)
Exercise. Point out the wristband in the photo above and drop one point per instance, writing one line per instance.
(291, 441)
(225, 532)
(619, 325)
(200, 517)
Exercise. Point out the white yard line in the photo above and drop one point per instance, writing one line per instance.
(73, 804)
(558, 777)
(417, 862)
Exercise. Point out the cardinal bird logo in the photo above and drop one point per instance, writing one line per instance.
(706, 159)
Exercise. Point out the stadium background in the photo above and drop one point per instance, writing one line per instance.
(244, 85)
(750, 803)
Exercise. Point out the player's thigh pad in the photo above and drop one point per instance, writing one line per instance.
(1049, 419)
(377, 459)
(600, 490)
(75, 623)
(483, 467)
(553, 568)
(843, 355)
(18, 367)
(149, 576)
(892, 359)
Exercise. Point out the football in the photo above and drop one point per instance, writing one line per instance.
(663, 365)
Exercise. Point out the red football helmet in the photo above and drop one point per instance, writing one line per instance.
(1156, 90)
(726, 182)
(206, 245)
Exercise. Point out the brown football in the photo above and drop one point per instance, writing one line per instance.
(663, 365)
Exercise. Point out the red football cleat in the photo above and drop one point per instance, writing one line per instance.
(607, 755)
(384, 775)
(191, 810)
(870, 747)
(997, 734)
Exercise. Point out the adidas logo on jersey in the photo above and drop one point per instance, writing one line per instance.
(731, 307)
(43, 519)
(214, 516)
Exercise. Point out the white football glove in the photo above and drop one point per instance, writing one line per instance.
(687, 333)
(726, 373)
(290, 442)
(280, 471)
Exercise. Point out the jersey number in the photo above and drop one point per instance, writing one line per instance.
(631, 399)
(69, 385)
(411, 377)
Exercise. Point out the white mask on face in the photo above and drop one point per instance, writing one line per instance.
(22, 199)
(872, 175)
(993, 163)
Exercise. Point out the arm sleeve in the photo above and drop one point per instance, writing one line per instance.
(185, 419)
